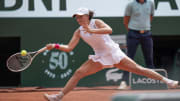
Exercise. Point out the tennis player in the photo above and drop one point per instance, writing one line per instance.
(95, 33)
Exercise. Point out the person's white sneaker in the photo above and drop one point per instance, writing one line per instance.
(123, 85)
(53, 97)
(173, 84)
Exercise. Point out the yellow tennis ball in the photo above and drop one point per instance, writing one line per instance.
(23, 53)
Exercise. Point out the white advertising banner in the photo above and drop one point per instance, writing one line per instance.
(66, 8)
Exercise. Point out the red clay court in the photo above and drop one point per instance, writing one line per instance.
(78, 94)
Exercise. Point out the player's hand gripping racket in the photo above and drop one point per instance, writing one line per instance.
(17, 62)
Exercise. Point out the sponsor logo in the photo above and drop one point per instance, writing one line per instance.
(113, 75)
(145, 81)
(62, 8)
(58, 64)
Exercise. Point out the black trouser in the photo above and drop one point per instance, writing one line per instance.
(134, 38)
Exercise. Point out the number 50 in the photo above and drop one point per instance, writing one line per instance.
(58, 59)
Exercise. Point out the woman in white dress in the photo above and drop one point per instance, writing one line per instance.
(107, 53)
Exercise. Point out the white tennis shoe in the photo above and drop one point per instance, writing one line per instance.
(173, 84)
(53, 97)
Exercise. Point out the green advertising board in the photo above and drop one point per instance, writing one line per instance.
(138, 82)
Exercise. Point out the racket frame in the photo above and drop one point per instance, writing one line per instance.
(30, 54)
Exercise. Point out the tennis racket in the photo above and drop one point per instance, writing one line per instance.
(18, 63)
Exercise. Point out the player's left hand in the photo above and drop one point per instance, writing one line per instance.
(87, 29)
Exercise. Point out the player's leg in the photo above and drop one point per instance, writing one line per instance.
(129, 65)
(88, 68)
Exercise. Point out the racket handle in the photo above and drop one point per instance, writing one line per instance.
(42, 50)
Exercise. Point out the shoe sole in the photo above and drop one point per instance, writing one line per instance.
(175, 85)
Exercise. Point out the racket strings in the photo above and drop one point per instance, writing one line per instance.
(18, 62)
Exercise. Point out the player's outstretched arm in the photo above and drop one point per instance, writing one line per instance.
(70, 46)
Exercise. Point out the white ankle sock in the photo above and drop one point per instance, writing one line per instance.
(60, 95)
(166, 80)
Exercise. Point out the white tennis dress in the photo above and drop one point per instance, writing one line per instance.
(107, 52)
